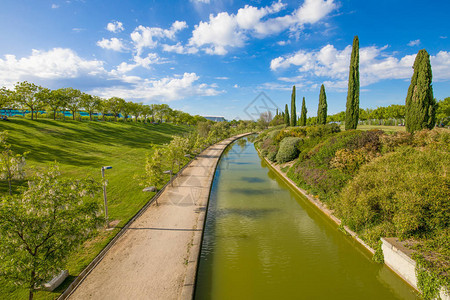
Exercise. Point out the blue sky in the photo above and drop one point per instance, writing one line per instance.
(214, 57)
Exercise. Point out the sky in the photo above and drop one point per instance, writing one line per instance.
(224, 57)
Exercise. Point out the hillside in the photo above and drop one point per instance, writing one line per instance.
(81, 149)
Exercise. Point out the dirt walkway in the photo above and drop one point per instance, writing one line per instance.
(157, 256)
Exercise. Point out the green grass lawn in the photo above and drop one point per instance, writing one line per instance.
(81, 149)
(381, 127)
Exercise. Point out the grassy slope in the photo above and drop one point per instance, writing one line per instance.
(81, 148)
(380, 127)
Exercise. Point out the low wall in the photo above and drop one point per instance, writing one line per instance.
(398, 258)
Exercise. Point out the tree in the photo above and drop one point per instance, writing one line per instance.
(322, 109)
(352, 106)
(56, 100)
(443, 111)
(11, 164)
(176, 150)
(90, 103)
(420, 104)
(6, 97)
(127, 108)
(153, 175)
(73, 100)
(43, 224)
(137, 109)
(293, 109)
(28, 96)
(104, 108)
(286, 115)
(303, 117)
(264, 119)
(115, 106)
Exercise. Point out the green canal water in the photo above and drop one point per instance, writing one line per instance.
(264, 241)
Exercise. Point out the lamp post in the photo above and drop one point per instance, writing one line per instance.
(104, 194)
(169, 172)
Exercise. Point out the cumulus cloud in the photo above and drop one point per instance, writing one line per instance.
(53, 64)
(166, 89)
(144, 62)
(375, 65)
(224, 30)
(111, 44)
(414, 43)
(180, 49)
(115, 26)
(147, 37)
(55, 6)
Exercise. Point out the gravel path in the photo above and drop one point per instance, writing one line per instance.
(157, 256)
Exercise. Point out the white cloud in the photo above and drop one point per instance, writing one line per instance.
(147, 37)
(236, 86)
(414, 43)
(151, 59)
(111, 44)
(57, 63)
(115, 26)
(166, 89)
(180, 49)
(55, 6)
(375, 65)
(224, 30)
(201, 1)
(222, 78)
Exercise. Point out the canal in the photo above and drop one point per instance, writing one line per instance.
(262, 240)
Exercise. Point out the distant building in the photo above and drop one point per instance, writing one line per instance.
(215, 118)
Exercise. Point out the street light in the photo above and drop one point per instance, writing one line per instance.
(151, 189)
(169, 172)
(104, 193)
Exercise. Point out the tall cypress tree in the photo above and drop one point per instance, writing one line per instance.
(420, 104)
(303, 114)
(286, 115)
(352, 107)
(293, 109)
(322, 109)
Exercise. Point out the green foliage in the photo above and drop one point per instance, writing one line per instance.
(420, 104)
(42, 225)
(322, 109)
(11, 164)
(378, 255)
(303, 117)
(443, 112)
(286, 116)
(288, 149)
(429, 281)
(352, 106)
(293, 109)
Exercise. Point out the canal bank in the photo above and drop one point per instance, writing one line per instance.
(155, 257)
(263, 240)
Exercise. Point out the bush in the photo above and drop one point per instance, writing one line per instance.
(288, 149)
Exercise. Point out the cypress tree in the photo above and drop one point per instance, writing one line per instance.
(293, 109)
(322, 109)
(420, 104)
(286, 115)
(303, 114)
(352, 107)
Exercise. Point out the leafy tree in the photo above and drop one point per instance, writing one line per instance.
(6, 97)
(176, 150)
(153, 173)
(127, 108)
(104, 108)
(56, 100)
(90, 103)
(43, 224)
(443, 111)
(303, 117)
(322, 109)
(293, 109)
(11, 164)
(420, 104)
(116, 105)
(137, 109)
(73, 100)
(352, 107)
(28, 96)
(286, 115)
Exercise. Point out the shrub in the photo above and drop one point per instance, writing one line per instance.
(288, 149)
(390, 142)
